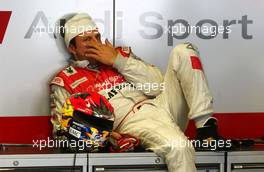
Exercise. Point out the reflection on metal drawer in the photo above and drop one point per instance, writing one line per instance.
(208, 167)
(42, 169)
(151, 168)
(131, 168)
(248, 170)
(150, 162)
(247, 167)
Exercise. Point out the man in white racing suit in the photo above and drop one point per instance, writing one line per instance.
(148, 105)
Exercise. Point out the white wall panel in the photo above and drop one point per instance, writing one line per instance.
(30, 59)
(234, 65)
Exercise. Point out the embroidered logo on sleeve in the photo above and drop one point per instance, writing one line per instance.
(69, 71)
(196, 63)
(124, 51)
(58, 81)
(191, 47)
(78, 82)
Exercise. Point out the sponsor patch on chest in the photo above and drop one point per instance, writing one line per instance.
(109, 82)
(58, 81)
(78, 82)
(69, 71)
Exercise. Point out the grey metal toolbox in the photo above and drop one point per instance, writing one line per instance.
(245, 161)
(41, 163)
(29, 159)
(128, 162)
(24, 159)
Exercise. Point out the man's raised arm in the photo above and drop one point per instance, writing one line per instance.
(139, 73)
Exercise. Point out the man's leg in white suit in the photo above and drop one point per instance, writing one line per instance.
(159, 133)
(186, 93)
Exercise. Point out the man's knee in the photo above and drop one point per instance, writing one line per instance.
(176, 151)
(178, 144)
(182, 55)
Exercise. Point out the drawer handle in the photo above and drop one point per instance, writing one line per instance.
(15, 163)
(157, 160)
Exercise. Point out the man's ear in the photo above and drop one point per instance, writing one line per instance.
(72, 49)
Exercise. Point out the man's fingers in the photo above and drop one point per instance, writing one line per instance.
(108, 43)
(94, 39)
(92, 55)
(116, 135)
(94, 46)
(92, 51)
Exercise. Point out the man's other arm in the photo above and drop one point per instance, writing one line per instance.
(58, 95)
(137, 72)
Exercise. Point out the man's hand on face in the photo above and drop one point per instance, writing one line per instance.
(103, 53)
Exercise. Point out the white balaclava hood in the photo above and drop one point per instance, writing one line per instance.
(76, 25)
